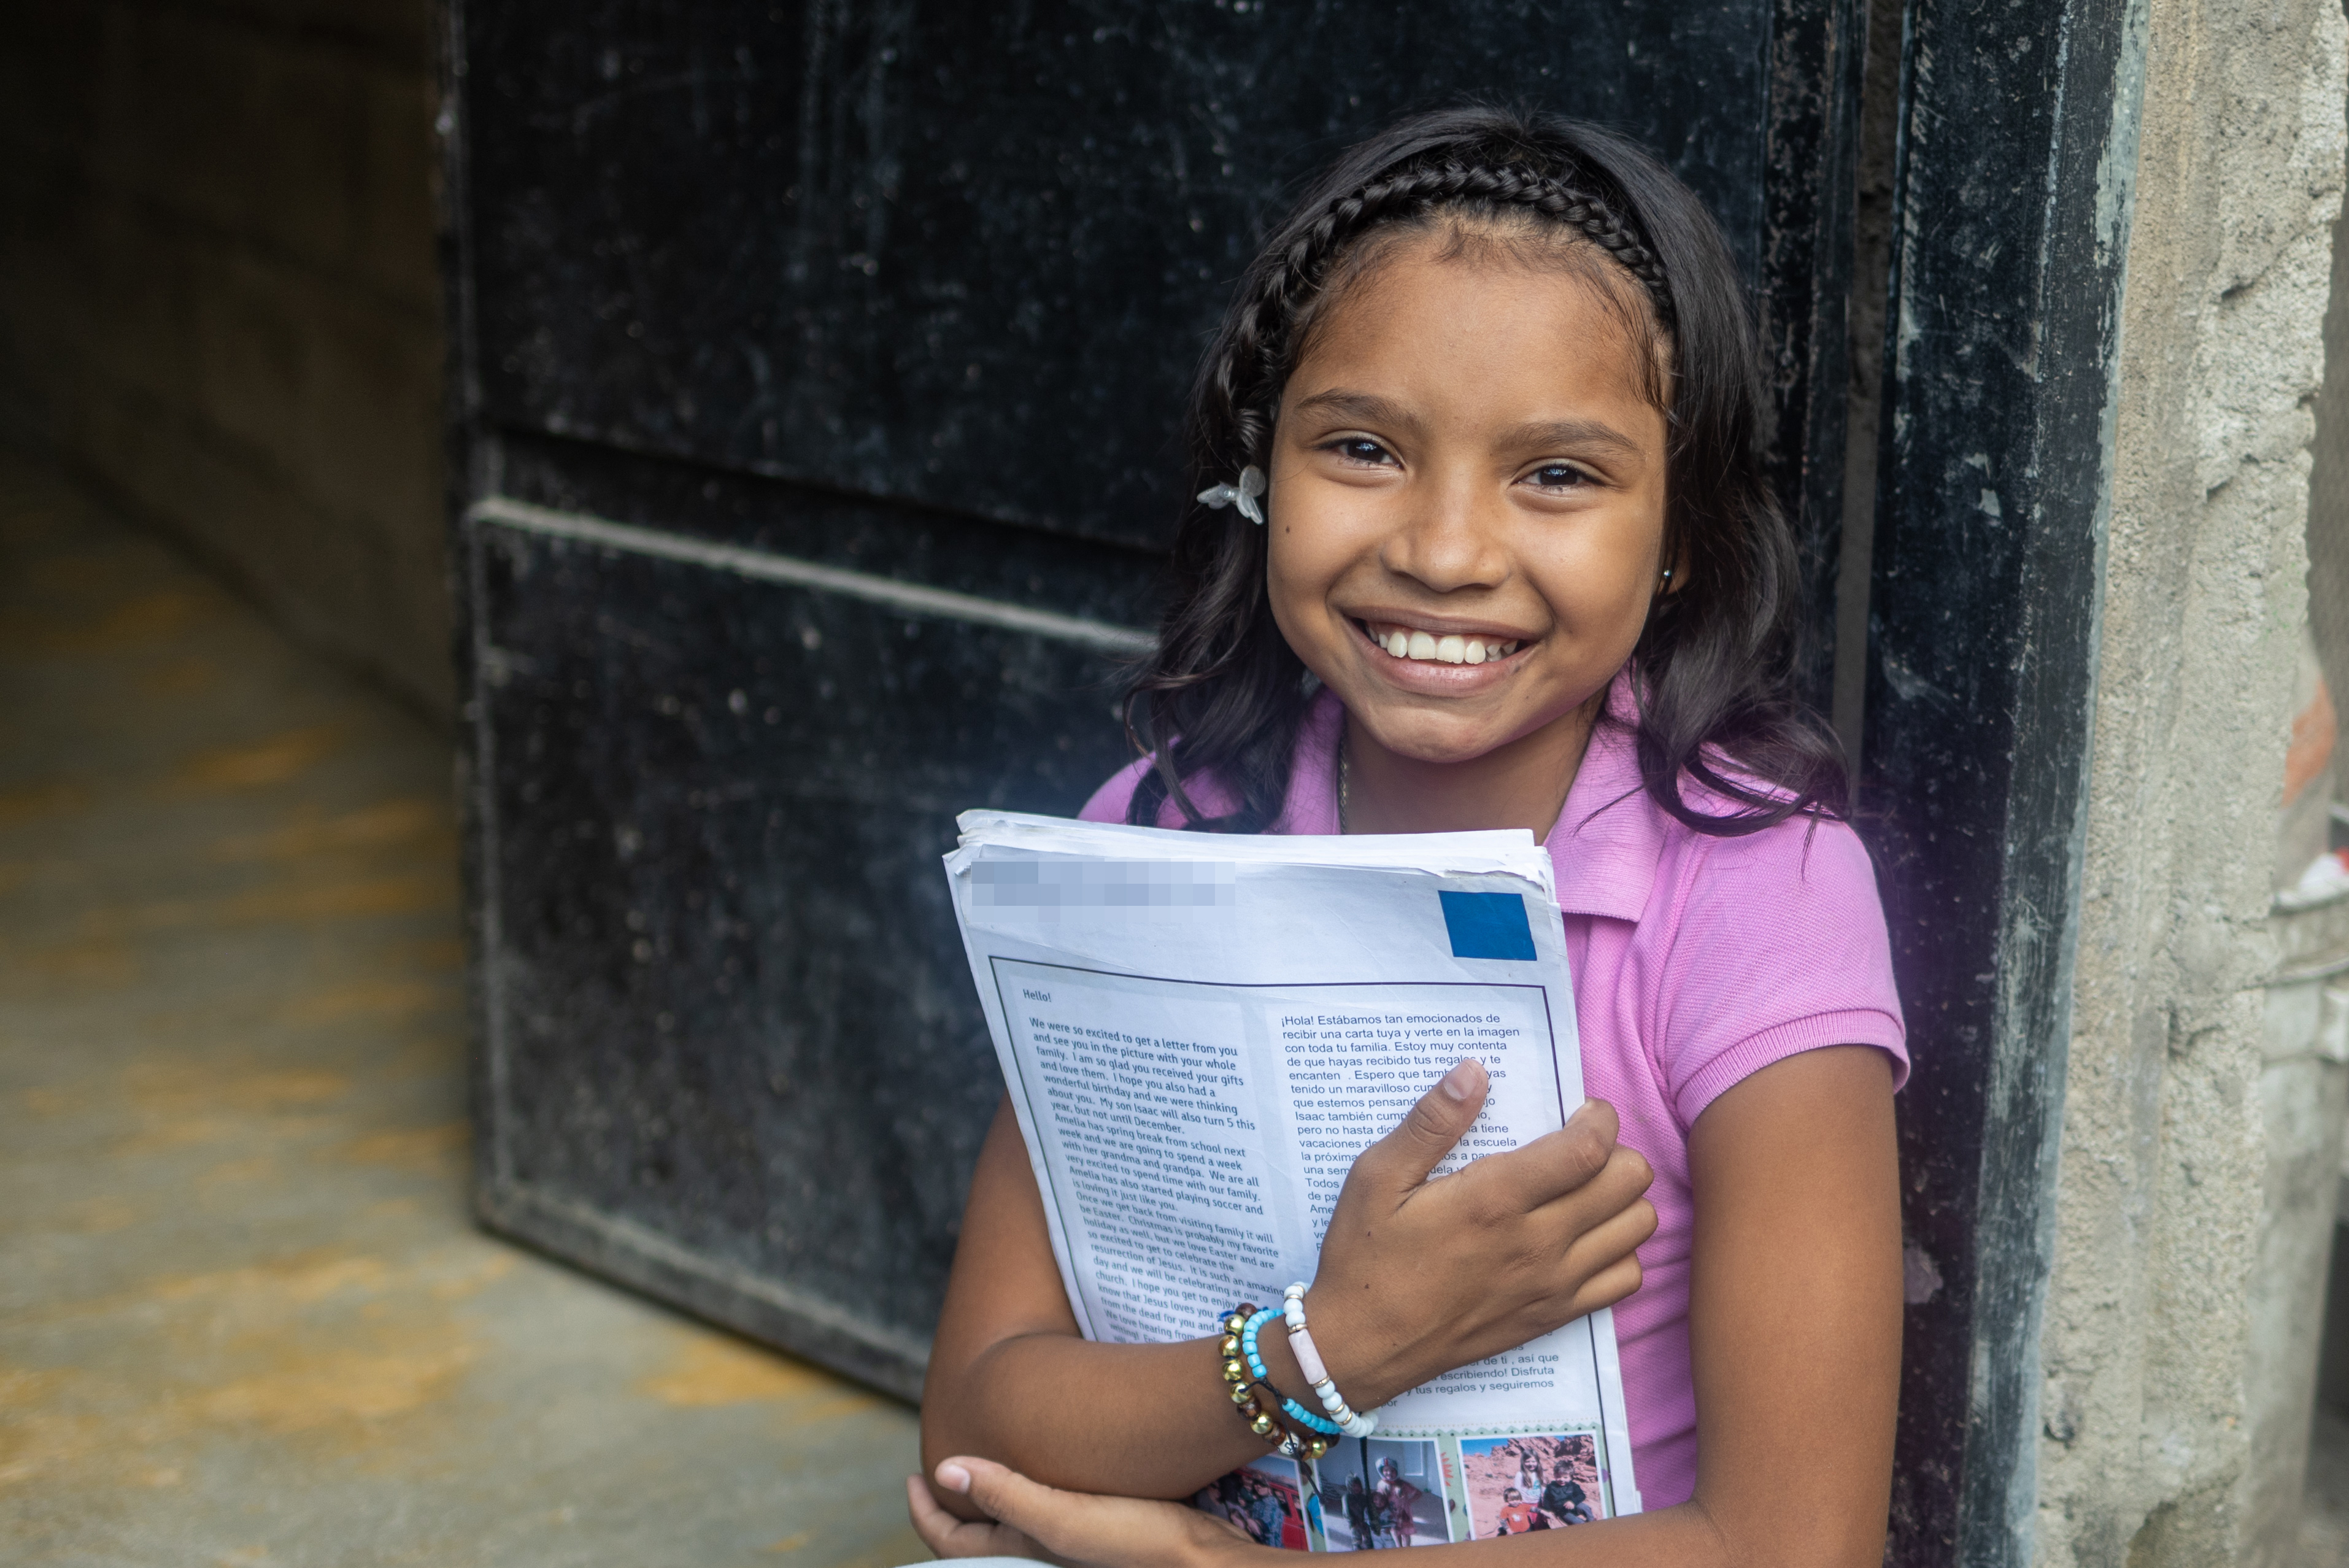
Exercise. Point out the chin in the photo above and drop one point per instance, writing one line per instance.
(1436, 744)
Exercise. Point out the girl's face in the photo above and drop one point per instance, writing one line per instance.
(1467, 501)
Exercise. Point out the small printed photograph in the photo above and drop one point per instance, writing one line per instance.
(1377, 1493)
(1267, 1498)
(1517, 1484)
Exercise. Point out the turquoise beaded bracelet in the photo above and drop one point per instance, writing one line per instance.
(1252, 1401)
(1288, 1407)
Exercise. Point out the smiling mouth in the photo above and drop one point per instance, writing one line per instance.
(1428, 648)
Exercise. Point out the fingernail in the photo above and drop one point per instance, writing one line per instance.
(953, 1476)
(1461, 1082)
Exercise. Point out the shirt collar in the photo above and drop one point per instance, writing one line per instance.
(1609, 836)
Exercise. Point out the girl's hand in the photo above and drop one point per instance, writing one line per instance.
(1070, 1527)
(1419, 1276)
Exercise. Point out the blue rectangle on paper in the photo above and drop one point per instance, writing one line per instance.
(1487, 925)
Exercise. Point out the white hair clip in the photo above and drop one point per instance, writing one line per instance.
(1245, 492)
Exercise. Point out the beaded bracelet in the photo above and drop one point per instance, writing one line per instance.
(1255, 1405)
(1308, 1360)
(1235, 1375)
(1290, 1407)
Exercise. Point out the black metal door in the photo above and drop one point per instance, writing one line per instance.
(819, 368)
(2018, 163)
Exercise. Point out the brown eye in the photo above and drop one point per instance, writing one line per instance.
(1358, 449)
(1558, 476)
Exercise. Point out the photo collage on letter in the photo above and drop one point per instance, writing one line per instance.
(1380, 1494)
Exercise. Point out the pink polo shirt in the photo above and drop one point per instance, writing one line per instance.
(1696, 962)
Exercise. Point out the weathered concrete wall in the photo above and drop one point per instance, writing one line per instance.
(2303, 1098)
(218, 297)
(2154, 1370)
(2328, 505)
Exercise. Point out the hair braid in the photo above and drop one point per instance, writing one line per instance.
(1256, 358)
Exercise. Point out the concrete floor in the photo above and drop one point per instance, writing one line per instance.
(244, 1317)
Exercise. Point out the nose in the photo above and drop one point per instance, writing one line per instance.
(1451, 536)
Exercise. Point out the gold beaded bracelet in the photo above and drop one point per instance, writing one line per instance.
(1258, 1402)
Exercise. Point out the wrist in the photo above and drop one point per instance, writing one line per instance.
(1356, 1348)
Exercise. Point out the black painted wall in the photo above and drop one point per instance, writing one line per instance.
(965, 254)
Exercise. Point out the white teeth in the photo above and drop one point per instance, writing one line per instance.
(1451, 649)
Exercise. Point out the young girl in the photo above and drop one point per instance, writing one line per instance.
(1485, 542)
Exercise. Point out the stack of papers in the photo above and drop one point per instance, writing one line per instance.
(1199, 1033)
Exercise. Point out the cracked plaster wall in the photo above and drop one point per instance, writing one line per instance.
(2152, 1393)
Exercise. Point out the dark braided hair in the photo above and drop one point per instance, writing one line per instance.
(1224, 694)
(1275, 329)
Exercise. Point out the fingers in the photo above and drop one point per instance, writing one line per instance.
(1002, 1491)
(1555, 1164)
(933, 1525)
(1067, 1527)
(1613, 1284)
(1569, 1183)
(947, 1536)
(1606, 1216)
(1401, 1160)
(1617, 1236)
(1050, 1517)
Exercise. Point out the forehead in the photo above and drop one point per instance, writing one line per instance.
(1526, 307)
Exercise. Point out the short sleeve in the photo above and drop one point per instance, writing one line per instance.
(1779, 947)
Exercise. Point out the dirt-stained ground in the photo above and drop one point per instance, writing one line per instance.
(244, 1317)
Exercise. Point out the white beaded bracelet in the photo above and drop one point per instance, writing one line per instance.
(1308, 1361)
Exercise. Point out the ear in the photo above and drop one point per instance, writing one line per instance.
(1674, 577)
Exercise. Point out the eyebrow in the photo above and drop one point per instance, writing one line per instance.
(1368, 406)
(1573, 433)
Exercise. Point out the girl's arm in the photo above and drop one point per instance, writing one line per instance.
(1794, 1309)
(1417, 1277)
(1794, 1327)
